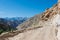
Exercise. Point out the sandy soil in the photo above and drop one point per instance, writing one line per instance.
(46, 33)
(58, 34)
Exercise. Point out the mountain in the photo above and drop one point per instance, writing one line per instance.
(39, 19)
(15, 21)
(45, 26)
(39, 27)
(8, 24)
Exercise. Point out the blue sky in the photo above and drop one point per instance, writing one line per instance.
(24, 8)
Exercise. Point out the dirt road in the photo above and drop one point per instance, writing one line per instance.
(45, 33)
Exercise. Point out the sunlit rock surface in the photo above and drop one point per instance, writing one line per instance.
(45, 26)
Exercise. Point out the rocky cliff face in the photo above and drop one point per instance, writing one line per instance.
(45, 26)
(39, 19)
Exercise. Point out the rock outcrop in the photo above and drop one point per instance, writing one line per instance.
(45, 26)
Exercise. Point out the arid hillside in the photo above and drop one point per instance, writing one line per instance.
(39, 19)
(45, 26)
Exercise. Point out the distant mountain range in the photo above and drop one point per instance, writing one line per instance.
(14, 22)
(11, 23)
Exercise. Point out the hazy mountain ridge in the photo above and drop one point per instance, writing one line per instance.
(8, 24)
(15, 21)
(9, 21)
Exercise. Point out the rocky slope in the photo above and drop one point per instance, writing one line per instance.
(39, 19)
(43, 26)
